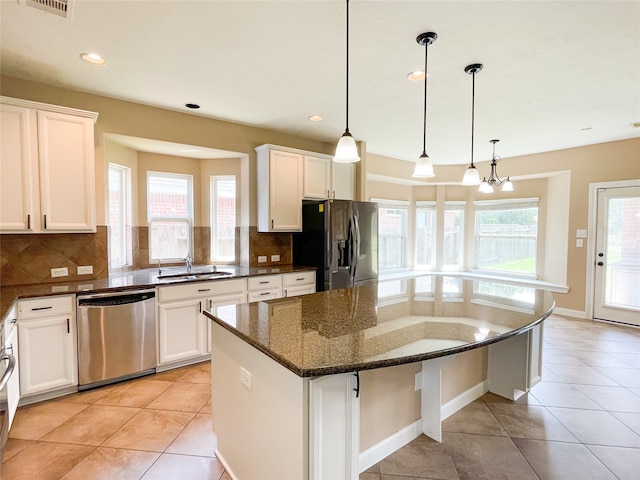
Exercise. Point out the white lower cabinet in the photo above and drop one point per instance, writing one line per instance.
(183, 332)
(180, 332)
(47, 345)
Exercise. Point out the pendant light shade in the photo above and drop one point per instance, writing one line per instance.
(346, 150)
(424, 166)
(471, 176)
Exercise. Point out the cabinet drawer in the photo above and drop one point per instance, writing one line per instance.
(199, 289)
(264, 281)
(299, 278)
(45, 306)
(264, 295)
(299, 290)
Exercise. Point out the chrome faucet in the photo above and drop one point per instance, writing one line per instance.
(189, 261)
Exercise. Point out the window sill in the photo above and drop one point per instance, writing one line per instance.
(552, 287)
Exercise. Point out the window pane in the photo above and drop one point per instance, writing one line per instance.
(168, 196)
(425, 236)
(223, 219)
(392, 230)
(119, 206)
(170, 215)
(506, 238)
(169, 239)
(453, 238)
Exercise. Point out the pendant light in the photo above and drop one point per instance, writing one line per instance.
(471, 176)
(424, 166)
(346, 150)
(494, 180)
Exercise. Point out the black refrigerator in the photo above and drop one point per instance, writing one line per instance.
(340, 239)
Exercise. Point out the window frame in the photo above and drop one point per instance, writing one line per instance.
(461, 207)
(400, 205)
(124, 215)
(214, 247)
(188, 220)
(500, 205)
(429, 206)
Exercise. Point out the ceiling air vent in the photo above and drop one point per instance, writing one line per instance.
(57, 7)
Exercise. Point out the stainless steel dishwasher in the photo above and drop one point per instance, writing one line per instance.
(116, 336)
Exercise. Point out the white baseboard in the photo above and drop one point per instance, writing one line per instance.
(464, 399)
(567, 312)
(225, 465)
(386, 447)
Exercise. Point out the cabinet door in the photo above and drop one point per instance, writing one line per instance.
(180, 331)
(285, 191)
(220, 302)
(13, 385)
(344, 181)
(67, 186)
(47, 354)
(17, 149)
(317, 177)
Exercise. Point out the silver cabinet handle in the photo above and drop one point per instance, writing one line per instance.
(204, 289)
(41, 308)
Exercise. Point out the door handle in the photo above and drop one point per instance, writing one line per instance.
(600, 264)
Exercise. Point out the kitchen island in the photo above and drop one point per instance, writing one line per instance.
(285, 373)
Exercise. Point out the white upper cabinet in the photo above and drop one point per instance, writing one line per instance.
(343, 181)
(324, 178)
(47, 168)
(317, 177)
(279, 189)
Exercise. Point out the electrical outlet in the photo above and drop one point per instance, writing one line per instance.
(275, 258)
(417, 385)
(262, 259)
(245, 378)
(59, 272)
(85, 270)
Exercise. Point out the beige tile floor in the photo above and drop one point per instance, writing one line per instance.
(581, 422)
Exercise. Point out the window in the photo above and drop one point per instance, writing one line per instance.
(453, 236)
(506, 236)
(223, 218)
(170, 215)
(426, 235)
(119, 216)
(392, 233)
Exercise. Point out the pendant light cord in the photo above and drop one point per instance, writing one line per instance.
(347, 89)
(424, 125)
(473, 110)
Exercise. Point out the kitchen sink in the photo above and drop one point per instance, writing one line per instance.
(192, 275)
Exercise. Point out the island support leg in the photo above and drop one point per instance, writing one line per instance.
(515, 364)
(431, 396)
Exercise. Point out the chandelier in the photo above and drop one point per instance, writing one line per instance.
(486, 186)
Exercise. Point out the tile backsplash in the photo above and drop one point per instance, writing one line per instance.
(29, 258)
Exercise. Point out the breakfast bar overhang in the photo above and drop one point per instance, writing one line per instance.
(285, 372)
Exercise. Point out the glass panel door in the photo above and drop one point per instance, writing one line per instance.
(617, 278)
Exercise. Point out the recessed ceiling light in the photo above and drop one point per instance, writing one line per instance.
(93, 59)
(193, 106)
(416, 75)
(585, 129)
(315, 118)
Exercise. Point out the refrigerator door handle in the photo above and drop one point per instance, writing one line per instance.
(355, 244)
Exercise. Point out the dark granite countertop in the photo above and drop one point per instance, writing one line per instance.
(389, 323)
(131, 280)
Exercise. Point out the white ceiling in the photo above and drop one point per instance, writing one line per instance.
(551, 68)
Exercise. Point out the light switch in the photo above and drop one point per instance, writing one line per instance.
(581, 234)
(579, 243)
(262, 258)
